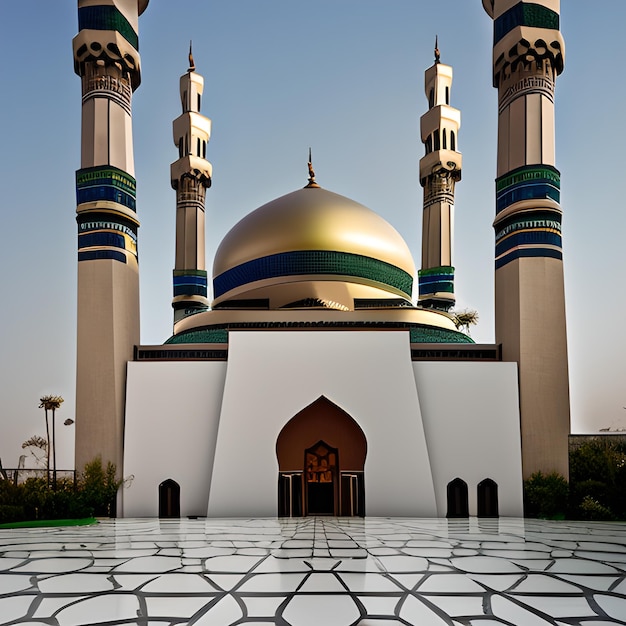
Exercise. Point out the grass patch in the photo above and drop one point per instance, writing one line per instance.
(43, 523)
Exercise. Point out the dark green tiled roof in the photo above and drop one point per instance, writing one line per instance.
(419, 333)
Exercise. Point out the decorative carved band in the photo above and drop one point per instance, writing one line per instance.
(524, 52)
(439, 188)
(108, 48)
(526, 83)
(100, 85)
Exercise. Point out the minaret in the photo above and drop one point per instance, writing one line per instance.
(528, 55)
(107, 60)
(190, 177)
(440, 169)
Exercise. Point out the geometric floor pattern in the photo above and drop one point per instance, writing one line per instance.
(315, 572)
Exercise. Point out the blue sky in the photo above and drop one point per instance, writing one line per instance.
(344, 77)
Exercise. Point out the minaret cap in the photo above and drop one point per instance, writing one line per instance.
(312, 183)
(437, 53)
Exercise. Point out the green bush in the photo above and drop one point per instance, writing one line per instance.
(98, 487)
(12, 513)
(93, 493)
(598, 474)
(546, 495)
(592, 510)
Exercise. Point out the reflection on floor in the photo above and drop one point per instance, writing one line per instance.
(315, 572)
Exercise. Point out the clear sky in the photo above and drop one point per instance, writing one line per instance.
(344, 77)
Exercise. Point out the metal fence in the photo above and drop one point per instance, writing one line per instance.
(21, 475)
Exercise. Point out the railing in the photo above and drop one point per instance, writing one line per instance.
(21, 475)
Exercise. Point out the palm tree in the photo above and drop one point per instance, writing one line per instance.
(465, 319)
(51, 403)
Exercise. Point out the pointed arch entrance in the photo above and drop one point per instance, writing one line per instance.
(321, 459)
(169, 498)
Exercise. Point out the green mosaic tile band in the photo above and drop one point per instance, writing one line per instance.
(430, 334)
(525, 14)
(201, 273)
(437, 271)
(529, 174)
(418, 333)
(107, 18)
(107, 175)
(205, 335)
(319, 262)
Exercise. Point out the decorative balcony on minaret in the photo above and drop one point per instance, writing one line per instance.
(440, 170)
(190, 177)
(528, 55)
(106, 58)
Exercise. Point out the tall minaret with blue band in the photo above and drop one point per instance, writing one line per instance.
(440, 170)
(190, 177)
(528, 55)
(106, 57)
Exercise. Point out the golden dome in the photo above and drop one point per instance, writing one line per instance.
(317, 234)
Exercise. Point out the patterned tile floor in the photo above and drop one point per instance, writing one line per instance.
(315, 572)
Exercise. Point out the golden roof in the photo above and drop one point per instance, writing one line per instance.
(312, 219)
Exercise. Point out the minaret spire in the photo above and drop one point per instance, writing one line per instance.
(312, 183)
(437, 53)
(440, 170)
(107, 60)
(192, 65)
(190, 177)
(528, 56)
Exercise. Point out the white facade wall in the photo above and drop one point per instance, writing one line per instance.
(213, 426)
(272, 376)
(471, 419)
(172, 414)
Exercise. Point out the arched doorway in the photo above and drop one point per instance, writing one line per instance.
(321, 458)
(487, 498)
(169, 498)
(458, 502)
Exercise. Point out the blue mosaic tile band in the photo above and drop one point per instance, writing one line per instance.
(530, 182)
(106, 183)
(106, 17)
(95, 255)
(191, 283)
(528, 220)
(98, 225)
(106, 231)
(530, 238)
(111, 240)
(319, 262)
(436, 280)
(522, 253)
(525, 14)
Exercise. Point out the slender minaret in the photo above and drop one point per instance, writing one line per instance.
(107, 60)
(440, 169)
(191, 177)
(530, 304)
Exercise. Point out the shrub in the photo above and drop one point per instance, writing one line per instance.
(545, 495)
(98, 487)
(12, 513)
(598, 475)
(592, 510)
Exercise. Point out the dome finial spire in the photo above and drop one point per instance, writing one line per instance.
(312, 182)
(192, 65)
(437, 53)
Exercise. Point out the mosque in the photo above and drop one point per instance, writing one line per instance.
(313, 383)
